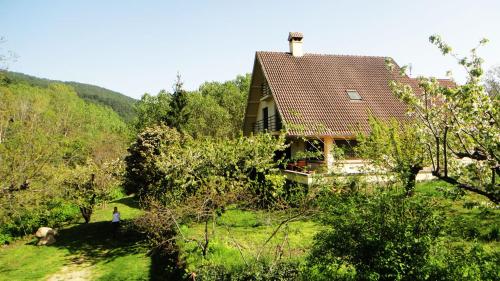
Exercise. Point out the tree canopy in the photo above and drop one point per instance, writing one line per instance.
(460, 122)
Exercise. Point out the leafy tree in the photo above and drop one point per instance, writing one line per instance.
(232, 97)
(44, 131)
(492, 81)
(121, 104)
(177, 115)
(169, 166)
(199, 178)
(90, 184)
(142, 174)
(207, 117)
(460, 122)
(150, 110)
(215, 110)
(395, 147)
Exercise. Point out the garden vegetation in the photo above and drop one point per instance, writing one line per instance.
(206, 203)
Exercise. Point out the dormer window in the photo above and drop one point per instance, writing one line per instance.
(353, 95)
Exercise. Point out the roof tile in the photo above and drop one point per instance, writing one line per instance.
(311, 91)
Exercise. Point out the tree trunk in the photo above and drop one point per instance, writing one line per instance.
(205, 247)
(86, 213)
(493, 196)
(411, 180)
(493, 178)
(438, 167)
(445, 152)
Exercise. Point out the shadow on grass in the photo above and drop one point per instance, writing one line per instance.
(166, 266)
(131, 202)
(94, 242)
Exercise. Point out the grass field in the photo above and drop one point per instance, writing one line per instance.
(240, 236)
(88, 250)
(472, 218)
(85, 249)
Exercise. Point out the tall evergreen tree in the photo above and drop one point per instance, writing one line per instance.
(177, 116)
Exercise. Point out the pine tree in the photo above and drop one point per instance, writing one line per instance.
(177, 116)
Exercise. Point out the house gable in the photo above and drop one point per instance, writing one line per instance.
(260, 99)
(312, 92)
(324, 95)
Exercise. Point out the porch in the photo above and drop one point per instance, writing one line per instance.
(308, 170)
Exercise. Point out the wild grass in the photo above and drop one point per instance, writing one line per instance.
(239, 237)
(471, 218)
(24, 261)
(123, 258)
(236, 238)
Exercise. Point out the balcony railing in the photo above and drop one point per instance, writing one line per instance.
(266, 91)
(270, 124)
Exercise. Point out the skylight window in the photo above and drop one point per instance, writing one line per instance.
(353, 95)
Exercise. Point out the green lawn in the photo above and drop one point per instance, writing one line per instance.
(240, 235)
(90, 244)
(471, 217)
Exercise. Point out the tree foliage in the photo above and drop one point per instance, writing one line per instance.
(43, 133)
(91, 184)
(170, 166)
(151, 109)
(395, 147)
(177, 115)
(379, 237)
(215, 110)
(185, 178)
(388, 236)
(121, 104)
(460, 122)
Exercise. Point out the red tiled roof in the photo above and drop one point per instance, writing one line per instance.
(310, 91)
(448, 83)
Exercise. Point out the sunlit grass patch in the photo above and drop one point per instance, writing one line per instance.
(122, 258)
(239, 237)
(25, 261)
(130, 267)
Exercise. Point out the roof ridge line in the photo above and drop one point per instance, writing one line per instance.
(322, 54)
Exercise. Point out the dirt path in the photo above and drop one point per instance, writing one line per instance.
(77, 270)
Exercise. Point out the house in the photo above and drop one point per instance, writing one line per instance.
(319, 97)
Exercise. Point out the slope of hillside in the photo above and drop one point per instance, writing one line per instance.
(123, 105)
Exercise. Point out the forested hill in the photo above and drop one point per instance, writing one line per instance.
(120, 103)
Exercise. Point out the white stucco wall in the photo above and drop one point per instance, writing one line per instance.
(269, 103)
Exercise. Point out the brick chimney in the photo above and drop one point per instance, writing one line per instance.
(295, 40)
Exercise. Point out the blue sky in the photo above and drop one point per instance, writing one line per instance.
(138, 46)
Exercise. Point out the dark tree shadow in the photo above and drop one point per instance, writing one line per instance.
(94, 242)
(132, 202)
(166, 266)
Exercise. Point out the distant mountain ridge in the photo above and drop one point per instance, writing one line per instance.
(122, 104)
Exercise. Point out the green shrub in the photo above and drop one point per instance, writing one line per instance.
(493, 234)
(385, 236)
(53, 214)
(116, 193)
(463, 263)
(5, 238)
(260, 271)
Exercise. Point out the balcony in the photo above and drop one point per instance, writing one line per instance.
(265, 92)
(270, 124)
